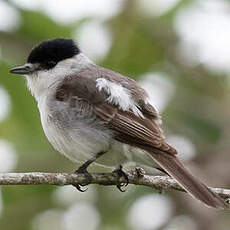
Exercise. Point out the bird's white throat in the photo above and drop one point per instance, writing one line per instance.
(40, 81)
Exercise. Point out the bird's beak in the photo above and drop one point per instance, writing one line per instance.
(25, 69)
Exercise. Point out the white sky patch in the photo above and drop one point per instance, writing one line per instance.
(8, 156)
(81, 216)
(159, 87)
(47, 220)
(204, 26)
(68, 195)
(186, 149)
(71, 10)
(149, 212)
(95, 39)
(5, 103)
(10, 18)
(155, 7)
(181, 223)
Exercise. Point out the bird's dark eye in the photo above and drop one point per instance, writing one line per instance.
(49, 64)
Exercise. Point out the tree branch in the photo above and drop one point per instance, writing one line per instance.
(161, 183)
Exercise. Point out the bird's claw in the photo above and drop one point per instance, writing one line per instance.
(140, 172)
(120, 173)
(79, 187)
(82, 170)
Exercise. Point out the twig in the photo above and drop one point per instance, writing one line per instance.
(38, 178)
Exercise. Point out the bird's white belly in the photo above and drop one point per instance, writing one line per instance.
(78, 144)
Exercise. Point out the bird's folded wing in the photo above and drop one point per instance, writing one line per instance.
(131, 129)
(127, 126)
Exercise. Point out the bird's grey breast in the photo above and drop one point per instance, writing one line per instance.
(71, 127)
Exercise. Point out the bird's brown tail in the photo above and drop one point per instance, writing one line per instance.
(172, 165)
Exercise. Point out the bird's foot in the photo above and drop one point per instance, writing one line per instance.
(79, 187)
(140, 172)
(120, 173)
(82, 170)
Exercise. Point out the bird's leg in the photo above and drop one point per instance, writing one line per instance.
(83, 170)
(120, 173)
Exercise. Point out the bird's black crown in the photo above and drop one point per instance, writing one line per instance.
(50, 52)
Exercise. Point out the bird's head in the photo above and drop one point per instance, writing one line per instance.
(51, 61)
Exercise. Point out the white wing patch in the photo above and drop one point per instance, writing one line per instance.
(119, 95)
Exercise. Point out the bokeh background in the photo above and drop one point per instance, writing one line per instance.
(179, 50)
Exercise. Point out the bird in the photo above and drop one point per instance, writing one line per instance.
(91, 114)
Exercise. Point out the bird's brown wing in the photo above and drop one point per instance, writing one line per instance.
(131, 129)
(128, 127)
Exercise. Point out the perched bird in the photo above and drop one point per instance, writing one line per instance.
(90, 114)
